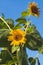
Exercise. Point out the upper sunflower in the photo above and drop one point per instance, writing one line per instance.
(34, 10)
(17, 37)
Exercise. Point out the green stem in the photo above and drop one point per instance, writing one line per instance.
(37, 55)
(26, 27)
(10, 54)
(18, 58)
(5, 23)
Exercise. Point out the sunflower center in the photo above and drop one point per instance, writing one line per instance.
(34, 9)
(18, 37)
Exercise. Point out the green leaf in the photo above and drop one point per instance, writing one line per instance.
(34, 40)
(24, 56)
(21, 20)
(15, 48)
(10, 62)
(41, 49)
(4, 42)
(5, 56)
(10, 22)
(31, 29)
(25, 13)
(3, 38)
(32, 61)
(18, 26)
(4, 32)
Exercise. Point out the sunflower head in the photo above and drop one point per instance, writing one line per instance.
(34, 10)
(17, 37)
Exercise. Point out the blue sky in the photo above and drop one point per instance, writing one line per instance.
(13, 8)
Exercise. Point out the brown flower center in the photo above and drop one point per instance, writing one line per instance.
(34, 10)
(18, 37)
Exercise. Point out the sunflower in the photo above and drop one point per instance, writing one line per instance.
(34, 10)
(17, 37)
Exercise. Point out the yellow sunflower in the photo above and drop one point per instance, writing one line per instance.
(17, 37)
(34, 10)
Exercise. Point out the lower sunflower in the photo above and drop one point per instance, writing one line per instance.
(17, 37)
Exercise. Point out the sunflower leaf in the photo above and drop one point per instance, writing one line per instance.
(3, 38)
(18, 26)
(12, 62)
(4, 42)
(4, 32)
(14, 48)
(21, 20)
(5, 56)
(41, 49)
(34, 40)
(32, 61)
(10, 22)
(25, 13)
(24, 57)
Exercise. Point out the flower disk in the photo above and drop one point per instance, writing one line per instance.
(34, 10)
(17, 37)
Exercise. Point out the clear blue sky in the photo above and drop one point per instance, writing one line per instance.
(13, 8)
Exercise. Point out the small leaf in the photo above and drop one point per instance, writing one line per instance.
(31, 29)
(41, 49)
(18, 26)
(25, 13)
(32, 61)
(21, 20)
(14, 48)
